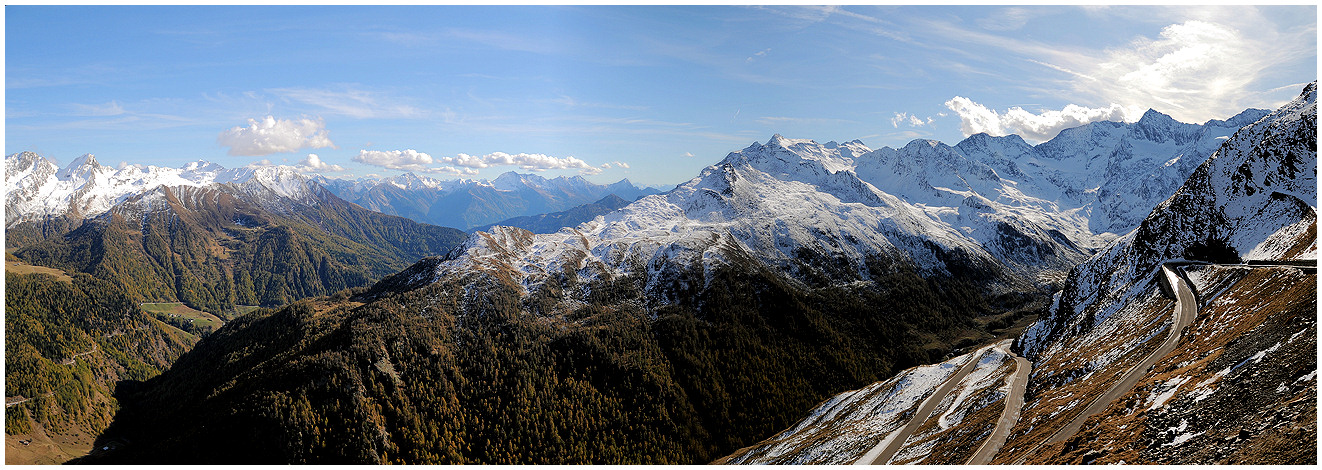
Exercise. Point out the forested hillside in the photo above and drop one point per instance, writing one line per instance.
(213, 250)
(68, 346)
(431, 376)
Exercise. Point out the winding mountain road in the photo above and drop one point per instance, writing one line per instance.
(1186, 308)
(895, 441)
(1014, 403)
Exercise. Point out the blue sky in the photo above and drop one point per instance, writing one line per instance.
(650, 93)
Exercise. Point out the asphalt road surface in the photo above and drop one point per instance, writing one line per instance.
(1014, 403)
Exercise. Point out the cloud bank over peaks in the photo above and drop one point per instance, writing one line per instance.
(468, 165)
(271, 135)
(975, 118)
(526, 161)
(408, 160)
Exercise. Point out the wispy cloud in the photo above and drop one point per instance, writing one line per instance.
(406, 38)
(111, 108)
(1009, 19)
(505, 41)
(808, 15)
(575, 103)
(348, 100)
(757, 55)
(1197, 69)
(785, 120)
(904, 135)
(1192, 69)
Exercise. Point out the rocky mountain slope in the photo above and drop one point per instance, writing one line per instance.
(469, 203)
(1239, 384)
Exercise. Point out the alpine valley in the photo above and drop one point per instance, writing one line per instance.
(1125, 292)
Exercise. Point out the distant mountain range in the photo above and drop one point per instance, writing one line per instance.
(553, 222)
(470, 203)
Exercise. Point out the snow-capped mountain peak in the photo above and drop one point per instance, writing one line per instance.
(82, 167)
(282, 180)
(85, 188)
(796, 158)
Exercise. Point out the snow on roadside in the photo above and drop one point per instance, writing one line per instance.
(854, 426)
(845, 427)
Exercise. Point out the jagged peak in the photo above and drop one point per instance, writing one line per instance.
(611, 198)
(86, 159)
(513, 180)
(780, 152)
(1152, 115)
(24, 156)
(410, 176)
(778, 140)
(81, 166)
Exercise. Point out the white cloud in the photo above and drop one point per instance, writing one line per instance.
(911, 120)
(272, 135)
(688, 154)
(1196, 69)
(313, 164)
(975, 118)
(622, 165)
(1199, 63)
(408, 160)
